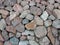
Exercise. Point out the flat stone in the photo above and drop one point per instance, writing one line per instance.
(16, 21)
(57, 13)
(44, 41)
(38, 20)
(1, 43)
(26, 32)
(20, 27)
(34, 10)
(7, 43)
(2, 24)
(26, 7)
(40, 31)
(32, 3)
(11, 35)
(11, 29)
(56, 23)
(44, 16)
(48, 23)
(33, 42)
(18, 34)
(14, 41)
(31, 25)
(18, 8)
(23, 43)
(1, 38)
(29, 17)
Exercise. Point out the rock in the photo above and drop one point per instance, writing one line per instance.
(26, 32)
(56, 23)
(11, 29)
(48, 23)
(2, 24)
(35, 10)
(1, 1)
(40, 31)
(57, 42)
(56, 5)
(31, 25)
(4, 13)
(51, 17)
(16, 21)
(24, 13)
(44, 41)
(0, 16)
(25, 21)
(1, 38)
(1, 43)
(26, 7)
(29, 17)
(18, 8)
(32, 3)
(51, 37)
(51, 1)
(33, 42)
(38, 20)
(18, 34)
(30, 37)
(44, 16)
(57, 1)
(23, 43)
(19, 1)
(37, 1)
(7, 43)
(20, 27)
(14, 41)
(5, 35)
(11, 35)
(56, 12)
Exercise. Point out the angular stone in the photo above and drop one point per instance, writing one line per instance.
(56, 23)
(1, 38)
(2, 24)
(7, 43)
(45, 15)
(11, 29)
(40, 31)
(44, 41)
(33, 42)
(18, 34)
(18, 8)
(29, 17)
(23, 43)
(56, 12)
(1, 43)
(20, 27)
(32, 3)
(31, 25)
(38, 20)
(14, 41)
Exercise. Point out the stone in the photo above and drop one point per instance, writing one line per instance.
(4, 13)
(38, 1)
(29, 17)
(18, 34)
(20, 27)
(40, 31)
(51, 37)
(18, 8)
(51, 17)
(30, 37)
(0, 16)
(16, 21)
(11, 29)
(2, 24)
(51, 1)
(11, 35)
(56, 23)
(45, 15)
(25, 21)
(48, 23)
(19, 1)
(57, 1)
(5, 35)
(1, 43)
(23, 42)
(14, 41)
(44, 41)
(38, 20)
(26, 7)
(1, 1)
(7, 43)
(32, 3)
(35, 10)
(26, 32)
(31, 25)
(56, 5)
(57, 42)
(24, 13)
(57, 13)
(1, 38)
(33, 42)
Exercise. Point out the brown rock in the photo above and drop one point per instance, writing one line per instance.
(1, 43)
(1, 38)
(51, 37)
(11, 29)
(31, 25)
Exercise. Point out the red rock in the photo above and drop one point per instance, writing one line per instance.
(1, 38)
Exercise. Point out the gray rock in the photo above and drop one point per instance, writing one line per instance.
(14, 41)
(11, 35)
(7, 43)
(56, 23)
(57, 42)
(40, 31)
(45, 15)
(51, 1)
(32, 3)
(18, 34)
(26, 7)
(30, 37)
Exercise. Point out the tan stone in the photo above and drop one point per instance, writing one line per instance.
(1, 38)
(51, 37)
(31, 25)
